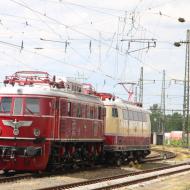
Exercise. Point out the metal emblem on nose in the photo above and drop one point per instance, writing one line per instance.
(16, 125)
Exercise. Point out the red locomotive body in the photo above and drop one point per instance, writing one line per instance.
(47, 124)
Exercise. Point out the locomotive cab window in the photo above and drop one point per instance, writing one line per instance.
(17, 106)
(5, 105)
(114, 112)
(32, 106)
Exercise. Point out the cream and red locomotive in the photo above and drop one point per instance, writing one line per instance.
(127, 130)
(49, 123)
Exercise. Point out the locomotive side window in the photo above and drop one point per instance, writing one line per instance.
(79, 110)
(5, 105)
(91, 112)
(95, 112)
(83, 111)
(135, 115)
(74, 109)
(131, 115)
(114, 112)
(103, 112)
(32, 106)
(140, 116)
(88, 111)
(125, 115)
(99, 112)
(144, 117)
(17, 106)
(69, 108)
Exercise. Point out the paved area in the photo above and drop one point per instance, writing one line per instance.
(176, 182)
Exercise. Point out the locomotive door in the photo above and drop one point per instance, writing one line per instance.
(64, 118)
(54, 119)
(48, 121)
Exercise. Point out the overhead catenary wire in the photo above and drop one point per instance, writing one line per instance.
(93, 8)
(66, 26)
(44, 15)
(87, 39)
(49, 17)
(70, 65)
(56, 21)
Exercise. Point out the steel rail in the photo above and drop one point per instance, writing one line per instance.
(16, 177)
(98, 180)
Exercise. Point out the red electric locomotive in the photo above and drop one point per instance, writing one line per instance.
(47, 123)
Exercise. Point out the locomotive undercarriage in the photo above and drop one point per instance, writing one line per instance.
(119, 157)
(71, 154)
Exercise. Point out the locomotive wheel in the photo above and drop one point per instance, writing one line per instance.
(118, 162)
(139, 159)
(164, 156)
(6, 172)
(75, 166)
(39, 172)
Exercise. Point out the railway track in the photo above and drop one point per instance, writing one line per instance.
(16, 177)
(162, 156)
(124, 179)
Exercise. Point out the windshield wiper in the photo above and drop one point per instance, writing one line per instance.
(2, 109)
(30, 111)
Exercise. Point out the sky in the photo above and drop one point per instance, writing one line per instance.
(103, 42)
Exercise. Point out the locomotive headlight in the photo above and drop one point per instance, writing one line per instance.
(36, 132)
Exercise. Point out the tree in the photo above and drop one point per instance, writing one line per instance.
(173, 122)
(155, 117)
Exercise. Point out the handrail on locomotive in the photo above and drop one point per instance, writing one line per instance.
(23, 78)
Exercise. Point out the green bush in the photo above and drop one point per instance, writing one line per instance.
(174, 142)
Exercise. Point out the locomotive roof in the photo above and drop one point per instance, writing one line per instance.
(122, 104)
(46, 90)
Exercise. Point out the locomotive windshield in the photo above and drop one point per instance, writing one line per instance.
(32, 106)
(5, 105)
(26, 106)
(17, 106)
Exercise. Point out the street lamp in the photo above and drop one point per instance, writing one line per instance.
(177, 44)
(186, 87)
(181, 19)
